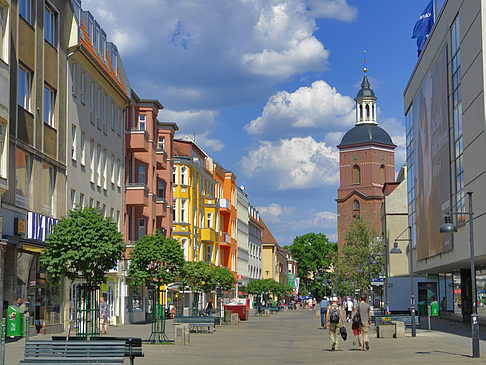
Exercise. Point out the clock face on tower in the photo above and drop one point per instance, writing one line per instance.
(355, 158)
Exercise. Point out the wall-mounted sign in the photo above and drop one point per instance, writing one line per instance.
(40, 226)
(19, 226)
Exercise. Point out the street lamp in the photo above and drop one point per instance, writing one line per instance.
(396, 250)
(360, 271)
(448, 227)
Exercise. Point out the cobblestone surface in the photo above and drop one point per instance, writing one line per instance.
(296, 338)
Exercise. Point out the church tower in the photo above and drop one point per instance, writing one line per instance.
(366, 162)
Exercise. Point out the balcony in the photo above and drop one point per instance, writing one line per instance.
(136, 194)
(137, 140)
(160, 207)
(161, 159)
(225, 205)
(208, 235)
(224, 239)
(210, 201)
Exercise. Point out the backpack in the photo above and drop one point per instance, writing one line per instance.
(334, 315)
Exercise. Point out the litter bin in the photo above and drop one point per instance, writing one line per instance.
(14, 322)
(241, 309)
(434, 308)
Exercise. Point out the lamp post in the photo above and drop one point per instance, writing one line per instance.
(360, 271)
(448, 227)
(396, 250)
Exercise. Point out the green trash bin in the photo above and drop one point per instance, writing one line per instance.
(14, 322)
(422, 308)
(434, 308)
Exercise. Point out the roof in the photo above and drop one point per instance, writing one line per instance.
(365, 92)
(365, 134)
(266, 235)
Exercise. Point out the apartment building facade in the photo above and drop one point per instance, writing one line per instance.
(37, 132)
(242, 237)
(97, 94)
(269, 254)
(255, 229)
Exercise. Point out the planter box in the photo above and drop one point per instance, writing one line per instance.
(399, 329)
(385, 331)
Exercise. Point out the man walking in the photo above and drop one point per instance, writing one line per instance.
(333, 314)
(349, 309)
(365, 313)
(323, 304)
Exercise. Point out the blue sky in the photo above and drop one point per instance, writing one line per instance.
(267, 86)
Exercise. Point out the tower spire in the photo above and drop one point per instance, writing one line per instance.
(365, 100)
(364, 62)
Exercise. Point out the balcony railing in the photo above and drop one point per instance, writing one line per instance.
(136, 194)
(137, 140)
(224, 204)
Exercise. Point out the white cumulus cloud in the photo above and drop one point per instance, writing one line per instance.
(308, 109)
(297, 163)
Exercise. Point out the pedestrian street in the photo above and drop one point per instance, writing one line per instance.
(295, 337)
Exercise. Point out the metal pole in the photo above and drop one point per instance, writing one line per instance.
(412, 291)
(474, 317)
(385, 257)
(3, 333)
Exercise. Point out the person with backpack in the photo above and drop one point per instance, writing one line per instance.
(364, 311)
(333, 315)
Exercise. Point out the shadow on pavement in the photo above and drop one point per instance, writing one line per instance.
(441, 352)
(456, 328)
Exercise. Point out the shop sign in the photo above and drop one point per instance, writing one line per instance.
(40, 226)
(19, 226)
(239, 277)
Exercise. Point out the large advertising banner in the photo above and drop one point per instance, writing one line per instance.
(430, 115)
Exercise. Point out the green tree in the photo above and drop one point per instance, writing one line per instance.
(83, 244)
(314, 253)
(224, 278)
(155, 259)
(362, 244)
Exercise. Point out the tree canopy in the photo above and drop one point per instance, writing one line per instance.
(155, 259)
(83, 244)
(314, 253)
(362, 244)
(259, 286)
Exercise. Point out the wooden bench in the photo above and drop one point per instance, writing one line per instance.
(197, 323)
(407, 319)
(74, 352)
(133, 345)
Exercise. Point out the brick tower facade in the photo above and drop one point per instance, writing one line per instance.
(367, 161)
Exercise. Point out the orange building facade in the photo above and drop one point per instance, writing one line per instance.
(148, 171)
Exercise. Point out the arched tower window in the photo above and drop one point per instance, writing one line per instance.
(367, 107)
(373, 116)
(356, 175)
(382, 174)
(356, 205)
(361, 112)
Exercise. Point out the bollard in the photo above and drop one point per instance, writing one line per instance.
(3, 333)
(26, 327)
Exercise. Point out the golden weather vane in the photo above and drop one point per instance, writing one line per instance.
(364, 62)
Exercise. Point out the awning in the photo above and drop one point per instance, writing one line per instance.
(32, 248)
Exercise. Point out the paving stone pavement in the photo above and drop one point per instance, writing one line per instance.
(295, 337)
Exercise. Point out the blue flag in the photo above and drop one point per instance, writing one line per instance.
(423, 26)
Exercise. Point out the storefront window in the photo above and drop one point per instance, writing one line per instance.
(47, 186)
(457, 293)
(481, 291)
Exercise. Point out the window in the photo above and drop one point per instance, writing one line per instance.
(103, 211)
(49, 104)
(50, 26)
(96, 37)
(81, 87)
(209, 220)
(184, 210)
(103, 44)
(73, 142)
(3, 29)
(161, 145)
(81, 200)
(141, 228)
(112, 213)
(382, 174)
(99, 162)
(92, 102)
(105, 170)
(83, 148)
(113, 169)
(25, 10)
(209, 253)
(92, 154)
(47, 188)
(356, 205)
(174, 175)
(184, 178)
(112, 116)
(22, 178)
(141, 122)
(73, 199)
(73, 78)
(90, 27)
(118, 120)
(3, 169)
(114, 59)
(91, 203)
(161, 189)
(356, 175)
(104, 113)
(98, 108)
(141, 174)
(24, 88)
(118, 173)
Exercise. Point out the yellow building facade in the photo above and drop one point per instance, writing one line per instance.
(195, 209)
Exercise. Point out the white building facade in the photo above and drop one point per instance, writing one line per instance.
(242, 236)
